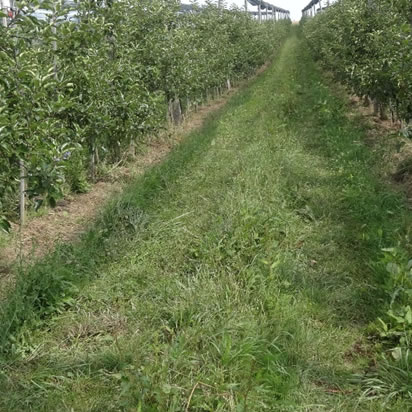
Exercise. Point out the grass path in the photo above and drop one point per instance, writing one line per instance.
(234, 276)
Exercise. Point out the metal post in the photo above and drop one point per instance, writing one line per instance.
(21, 192)
(246, 6)
(260, 12)
(54, 31)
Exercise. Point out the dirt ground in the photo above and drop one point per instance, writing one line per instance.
(397, 152)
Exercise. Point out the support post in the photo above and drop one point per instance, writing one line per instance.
(260, 11)
(54, 31)
(22, 193)
(175, 111)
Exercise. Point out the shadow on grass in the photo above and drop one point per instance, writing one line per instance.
(358, 213)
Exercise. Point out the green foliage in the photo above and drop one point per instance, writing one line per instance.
(102, 80)
(368, 46)
(4, 224)
(393, 375)
(396, 329)
(75, 171)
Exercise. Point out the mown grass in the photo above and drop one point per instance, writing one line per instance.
(236, 276)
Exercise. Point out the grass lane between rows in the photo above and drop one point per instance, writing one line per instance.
(234, 276)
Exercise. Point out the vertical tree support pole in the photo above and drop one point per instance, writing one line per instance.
(260, 12)
(54, 31)
(22, 193)
(246, 7)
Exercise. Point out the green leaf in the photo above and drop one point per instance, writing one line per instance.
(397, 353)
(393, 268)
(166, 388)
(408, 315)
(4, 224)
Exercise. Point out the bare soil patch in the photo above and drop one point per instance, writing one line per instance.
(396, 150)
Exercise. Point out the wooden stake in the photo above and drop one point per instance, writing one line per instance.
(375, 107)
